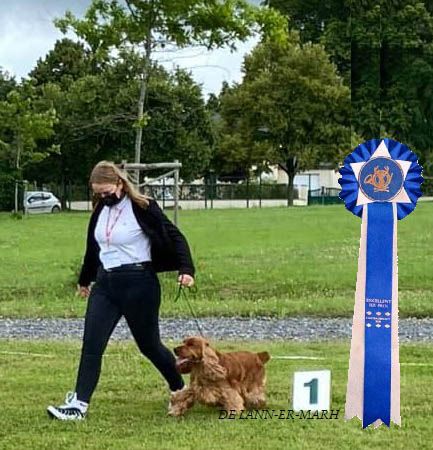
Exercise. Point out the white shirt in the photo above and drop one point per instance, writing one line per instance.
(120, 237)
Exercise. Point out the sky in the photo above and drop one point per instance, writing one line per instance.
(27, 33)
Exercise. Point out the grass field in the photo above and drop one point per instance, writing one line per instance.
(271, 261)
(128, 409)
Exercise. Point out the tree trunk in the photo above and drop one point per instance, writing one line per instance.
(17, 165)
(16, 197)
(64, 194)
(142, 99)
(139, 132)
(290, 190)
(291, 168)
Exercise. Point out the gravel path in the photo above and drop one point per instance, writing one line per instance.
(297, 329)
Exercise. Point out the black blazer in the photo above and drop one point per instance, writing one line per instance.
(169, 248)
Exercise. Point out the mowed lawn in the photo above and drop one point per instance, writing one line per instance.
(128, 410)
(270, 261)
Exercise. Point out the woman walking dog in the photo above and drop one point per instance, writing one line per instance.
(129, 240)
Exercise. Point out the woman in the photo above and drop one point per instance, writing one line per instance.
(129, 239)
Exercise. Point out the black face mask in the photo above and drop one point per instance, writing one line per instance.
(111, 200)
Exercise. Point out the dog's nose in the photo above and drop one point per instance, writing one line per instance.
(176, 349)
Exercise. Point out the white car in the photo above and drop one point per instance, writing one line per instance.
(38, 202)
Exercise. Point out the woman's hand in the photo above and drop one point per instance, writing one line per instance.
(83, 291)
(186, 280)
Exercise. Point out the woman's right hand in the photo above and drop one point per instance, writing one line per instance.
(83, 291)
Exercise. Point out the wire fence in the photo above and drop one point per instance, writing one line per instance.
(209, 195)
(79, 197)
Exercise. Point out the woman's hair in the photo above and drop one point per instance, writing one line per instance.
(108, 172)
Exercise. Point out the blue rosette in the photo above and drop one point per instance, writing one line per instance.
(363, 153)
(380, 182)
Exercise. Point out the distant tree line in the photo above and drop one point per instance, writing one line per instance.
(323, 77)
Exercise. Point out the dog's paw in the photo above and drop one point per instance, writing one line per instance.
(174, 412)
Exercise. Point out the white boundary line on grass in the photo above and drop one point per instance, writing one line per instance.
(5, 352)
(317, 358)
(416, 364)
(27, 354)
(282, 357)
(297, 357)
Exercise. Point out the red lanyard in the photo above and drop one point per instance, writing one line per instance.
(108, 229)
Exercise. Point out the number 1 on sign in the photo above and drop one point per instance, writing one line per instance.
(311, 390)
(313, 385)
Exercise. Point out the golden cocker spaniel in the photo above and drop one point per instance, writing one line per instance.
(233, 380)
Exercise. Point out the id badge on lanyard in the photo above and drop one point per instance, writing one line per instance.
(111, 255)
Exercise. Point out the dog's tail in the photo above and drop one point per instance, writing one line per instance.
(264, 357)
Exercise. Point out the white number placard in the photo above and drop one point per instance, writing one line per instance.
(312, 390)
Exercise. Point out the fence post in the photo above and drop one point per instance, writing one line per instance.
(205, 192)
(176, 192)
(248, 191)
(70, 195)
(16, 197)
(26, 184)
(88, 197)
(260, 189)
(163, 193)
(212, 187)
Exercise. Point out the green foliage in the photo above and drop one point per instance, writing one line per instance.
(97, 120)
(26, 125)
(7, 84)
(290, 103)
(7, 184)
(142, 27)
(212, 23)
(384, 51)
(93, 86)
(22, 124)
(66, 62)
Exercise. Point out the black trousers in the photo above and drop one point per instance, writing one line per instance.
(134, 293)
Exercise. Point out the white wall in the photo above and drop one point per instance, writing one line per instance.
(318, 178)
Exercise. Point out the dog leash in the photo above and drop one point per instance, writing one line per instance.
(180, 292)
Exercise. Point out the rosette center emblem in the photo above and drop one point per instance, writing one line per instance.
(381, 179)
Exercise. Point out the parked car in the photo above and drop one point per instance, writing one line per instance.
(38, 202)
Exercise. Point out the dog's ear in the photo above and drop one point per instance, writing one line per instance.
(264, 357)
(212, 369)
(207, 350)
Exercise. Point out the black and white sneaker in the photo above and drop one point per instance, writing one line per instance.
(73, 409)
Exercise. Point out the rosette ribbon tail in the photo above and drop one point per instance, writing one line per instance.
(373, 390)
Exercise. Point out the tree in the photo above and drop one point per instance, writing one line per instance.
(322, 22)
(65, 63)
(22, 124)
(96, 114)
(291, 109)
(384, 50)
(7, 84)
(151, 25)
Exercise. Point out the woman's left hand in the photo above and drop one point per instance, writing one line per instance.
(186, 280)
